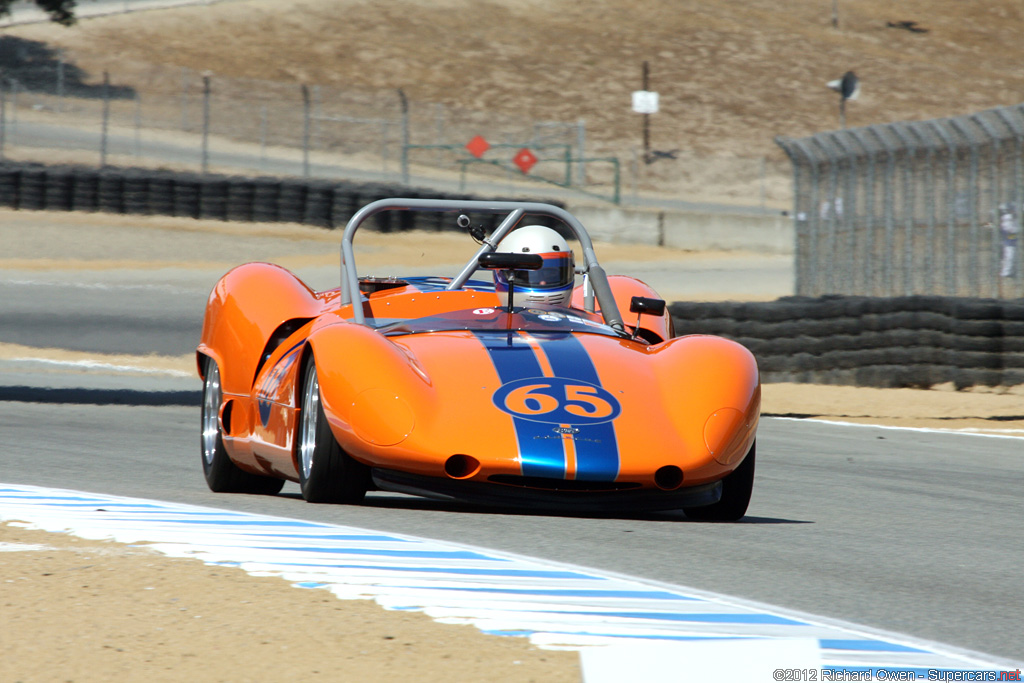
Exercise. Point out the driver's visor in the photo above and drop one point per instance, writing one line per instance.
(557, 272)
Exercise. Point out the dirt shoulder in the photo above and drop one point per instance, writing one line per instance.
(86, 611)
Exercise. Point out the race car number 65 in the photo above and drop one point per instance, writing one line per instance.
(557, 400)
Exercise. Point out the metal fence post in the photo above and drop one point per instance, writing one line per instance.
(317, 114)
(951, 237)
(106, 117)
(60, 80)
(3, 117)
(405, 136)
(889, 186)
(305, 130)
(184, 98)
(263, 135)
(810, 285)
(581, 139)
(15, 86)
(849, 210)
(798, 224)
(929, 199)
(868, 250)
(831, 208)
(439, 139)
(138, 125)
(994, 199)
(973, 276)
(909, 250)
(205, 165)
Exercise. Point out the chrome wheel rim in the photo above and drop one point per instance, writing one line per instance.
(309, 420)
(211, 408)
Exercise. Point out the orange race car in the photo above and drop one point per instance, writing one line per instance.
(521, 389)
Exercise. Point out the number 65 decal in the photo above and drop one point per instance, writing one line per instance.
(557, 400)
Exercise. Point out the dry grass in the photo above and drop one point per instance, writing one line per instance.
(731, 74)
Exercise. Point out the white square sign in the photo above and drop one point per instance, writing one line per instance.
(645, 102)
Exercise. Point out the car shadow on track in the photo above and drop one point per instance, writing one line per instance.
(391, 501)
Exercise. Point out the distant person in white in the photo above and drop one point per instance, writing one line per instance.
(1009, 230)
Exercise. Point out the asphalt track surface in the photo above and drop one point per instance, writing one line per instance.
(909, 531)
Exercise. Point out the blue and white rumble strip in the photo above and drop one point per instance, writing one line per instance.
(557, 606)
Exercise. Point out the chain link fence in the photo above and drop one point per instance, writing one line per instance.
(379, 132)
(158, 115)
(924, 207)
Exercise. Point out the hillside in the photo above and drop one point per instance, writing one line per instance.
(731, 74)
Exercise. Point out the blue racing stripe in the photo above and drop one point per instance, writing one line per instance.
(540, 448)
(597, 449)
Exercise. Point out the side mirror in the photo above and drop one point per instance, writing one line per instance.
(643, 305)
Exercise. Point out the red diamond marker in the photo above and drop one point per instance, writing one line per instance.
(477, 146)
(525, 160)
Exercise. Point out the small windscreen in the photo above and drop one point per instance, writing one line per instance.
(556, 273)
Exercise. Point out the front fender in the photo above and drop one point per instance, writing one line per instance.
(372, 390)
(712, 388)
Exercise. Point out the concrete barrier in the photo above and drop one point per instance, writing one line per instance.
(767, 233)
(770, 233)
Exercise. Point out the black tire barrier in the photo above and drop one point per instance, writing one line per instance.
(110, 192)
(240, 199)
(344, 204)
(31, 182)
(915, 341)
(213, 198)
(291, 202)
(161, 194)
(136, 193)
(319, 200)
(57, 192)
(186, 196)
(264, 200)
(9, 176)
(84, 190)
(328, 204)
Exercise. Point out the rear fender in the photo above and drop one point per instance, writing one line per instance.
(244, 309)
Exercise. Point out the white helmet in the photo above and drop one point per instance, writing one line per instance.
(553, 282)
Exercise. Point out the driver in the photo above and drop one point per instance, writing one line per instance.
(553, 282)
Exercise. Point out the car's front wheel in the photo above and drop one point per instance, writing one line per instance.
(222, 475)
(736, 490)
(327, 474)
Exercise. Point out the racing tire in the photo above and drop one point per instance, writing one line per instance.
(222, 475)
(327, 474)
(736, 490)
